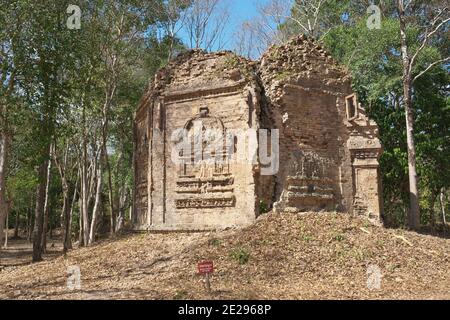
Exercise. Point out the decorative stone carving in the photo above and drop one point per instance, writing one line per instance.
(206, 203)
(204, 174)
(308, 185)
(328, 147)
(365, 149)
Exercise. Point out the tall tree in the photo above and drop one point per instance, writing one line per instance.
(75, 89)
(45, 51)
(376, 62)
(9, 64)
(438, 17)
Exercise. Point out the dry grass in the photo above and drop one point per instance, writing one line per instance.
(313, 256)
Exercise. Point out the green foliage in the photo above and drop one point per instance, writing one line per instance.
(329, 15)
(180, 295)
(214, 242)
(338, 237)
(54, 83)
(263, 208)
(283, 75)
(373, 57)
(61, 78)
(240, 255)
(231, 61)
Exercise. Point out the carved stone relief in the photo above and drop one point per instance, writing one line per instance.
(308, 184)
(204, 174)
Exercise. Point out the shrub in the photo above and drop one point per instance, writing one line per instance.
(338, 237)
(180, 295)
(263, 208)
(241, 255)
(214, 242)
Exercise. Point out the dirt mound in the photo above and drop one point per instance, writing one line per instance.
(287, 256)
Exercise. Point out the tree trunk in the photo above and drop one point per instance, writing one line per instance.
(72, 207)
(4, 145)
(66, 210)
(414, 209)
(39, 213)
(108, 166)
(80, 233)
(432, 203)
(46, 204)
(66, 219)
(414, 212)
(441, 198)
(117, 199)
(6, 233)
(85, 194)
(30, 223)
(109, 94)
(16, 225)
(98, 196)
(110, 193)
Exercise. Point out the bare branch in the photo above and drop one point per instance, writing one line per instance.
(205, 23)
(431, 66)
(428, 36)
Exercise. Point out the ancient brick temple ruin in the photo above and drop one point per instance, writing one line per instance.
(328, 149)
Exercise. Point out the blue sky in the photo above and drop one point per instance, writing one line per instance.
(240, 10)
(243, 9)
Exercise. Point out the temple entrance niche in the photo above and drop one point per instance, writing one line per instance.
(308, 184)
(205, 178)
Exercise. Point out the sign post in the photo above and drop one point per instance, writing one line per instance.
(206, 268)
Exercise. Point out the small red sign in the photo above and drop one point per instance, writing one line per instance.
(206, 267)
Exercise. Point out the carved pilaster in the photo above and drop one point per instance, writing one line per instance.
(365, 149)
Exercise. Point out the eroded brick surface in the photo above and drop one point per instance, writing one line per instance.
(328, 148)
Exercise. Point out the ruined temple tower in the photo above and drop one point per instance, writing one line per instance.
(326, 148)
